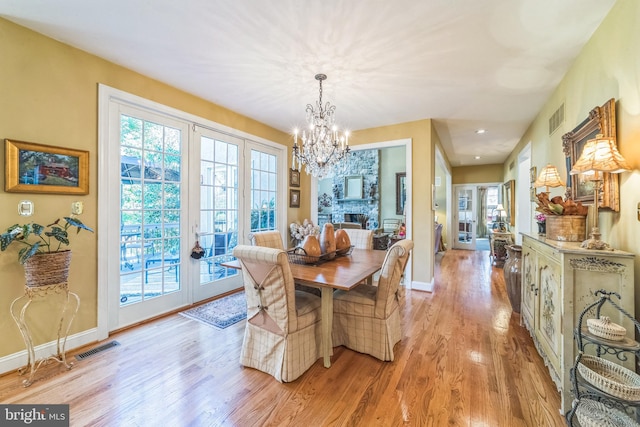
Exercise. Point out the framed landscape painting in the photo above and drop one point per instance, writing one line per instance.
(601, 120)
(38, 168)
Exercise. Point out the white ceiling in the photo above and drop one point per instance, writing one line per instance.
(467, 64)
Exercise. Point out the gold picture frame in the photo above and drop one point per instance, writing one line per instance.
(580, 189)
(533, 174)
(509, 200)
(45, 169)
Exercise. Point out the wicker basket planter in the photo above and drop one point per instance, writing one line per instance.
(610, 377)
(604, 328)
(47, 269)
(595, 414)
(566, 228)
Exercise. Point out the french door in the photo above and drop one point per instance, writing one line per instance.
(219, 203)
(235, 176)
(166, 183)
(465, 238)
(152, 223)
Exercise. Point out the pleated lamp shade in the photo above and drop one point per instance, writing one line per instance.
(549, 177)
(600, 155)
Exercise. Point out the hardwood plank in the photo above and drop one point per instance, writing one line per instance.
(464, 361)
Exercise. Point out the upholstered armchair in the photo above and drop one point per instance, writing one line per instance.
(269, 239)
(282, 336)
(367, 318)
(361, 239)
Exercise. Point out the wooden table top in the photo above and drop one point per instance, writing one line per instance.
(344, 272)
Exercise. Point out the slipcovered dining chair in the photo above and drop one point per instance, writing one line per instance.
(361, 239)
(282, 336)
(367, 318)
(272, 239)
(269, 239)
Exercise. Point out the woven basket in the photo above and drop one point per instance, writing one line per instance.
(566, 228)
(610, 377)
(604, 328)
(594, 414)
(47, 269)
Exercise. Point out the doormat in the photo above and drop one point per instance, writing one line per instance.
(220, 313)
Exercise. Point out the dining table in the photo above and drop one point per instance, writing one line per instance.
(343, 272)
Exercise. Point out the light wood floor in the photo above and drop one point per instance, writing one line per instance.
(464, 361)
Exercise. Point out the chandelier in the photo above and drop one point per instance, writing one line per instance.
(321, 146)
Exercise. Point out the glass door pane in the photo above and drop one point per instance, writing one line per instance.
(219, 207)
(264, 200)
(465, 218)
(150, 215)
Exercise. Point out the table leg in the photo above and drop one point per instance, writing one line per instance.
(68, 310)
(327, 324)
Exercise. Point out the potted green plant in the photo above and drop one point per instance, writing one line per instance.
(45, 254)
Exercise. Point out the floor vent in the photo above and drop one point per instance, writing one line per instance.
(97, 350)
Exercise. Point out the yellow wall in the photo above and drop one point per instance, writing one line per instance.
(441, 193)
(422, 135)
(50, 96)
(476, 174)
(607, 67)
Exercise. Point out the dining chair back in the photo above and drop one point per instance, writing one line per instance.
(367, 318)
(391, 225)
(282, 334)
(360, 239)
(269, 239)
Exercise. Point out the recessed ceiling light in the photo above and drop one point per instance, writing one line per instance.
(481, 131)
(477, 157)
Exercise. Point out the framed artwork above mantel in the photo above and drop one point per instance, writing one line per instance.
(579, 188)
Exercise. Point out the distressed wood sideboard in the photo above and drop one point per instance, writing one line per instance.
(558, 280)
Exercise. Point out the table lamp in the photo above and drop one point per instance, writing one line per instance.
(599, 155)
(549, 177)
(501, 215)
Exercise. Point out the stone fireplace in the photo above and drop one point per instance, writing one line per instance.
(363, 210)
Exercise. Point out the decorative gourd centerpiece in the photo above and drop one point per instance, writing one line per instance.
(44, 254)
(311, 246)
(343, 242)
(328, 241)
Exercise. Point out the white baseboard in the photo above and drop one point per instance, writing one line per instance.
(422, 286)
(15, 361)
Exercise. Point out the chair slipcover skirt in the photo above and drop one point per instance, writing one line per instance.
(282, 335)
(367, 318)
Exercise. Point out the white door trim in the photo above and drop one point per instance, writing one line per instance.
(107, 194)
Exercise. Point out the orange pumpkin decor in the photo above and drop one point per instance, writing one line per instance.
(342, 240)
